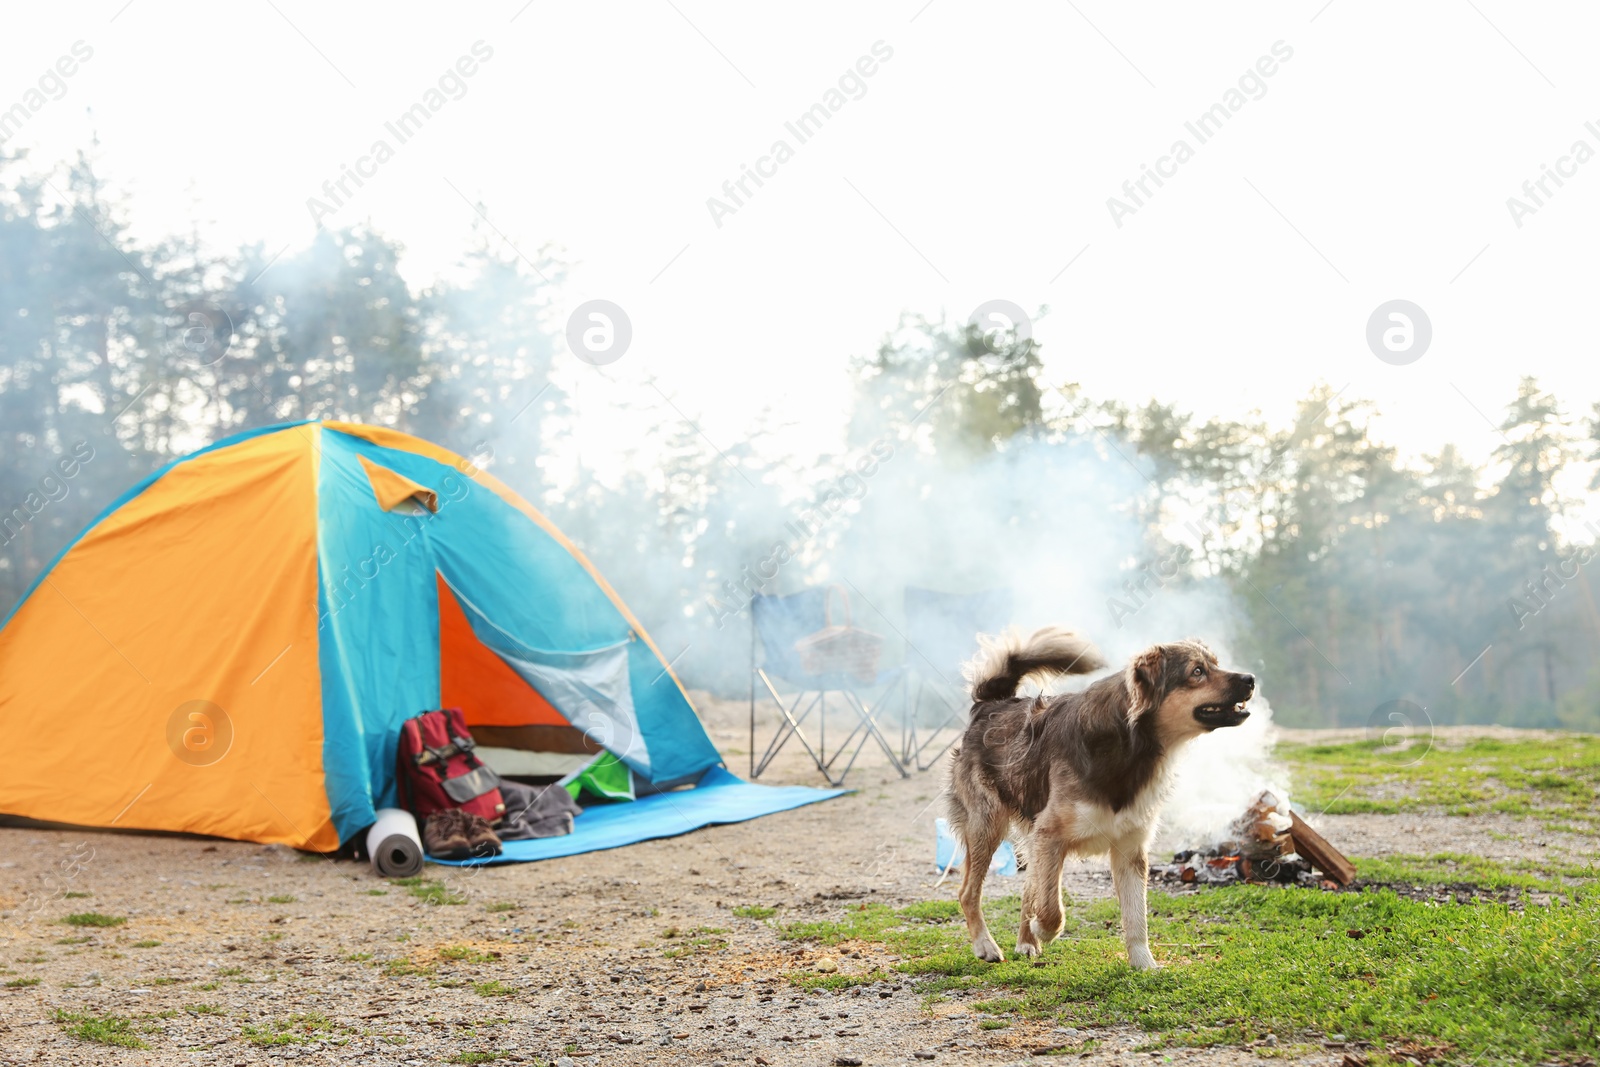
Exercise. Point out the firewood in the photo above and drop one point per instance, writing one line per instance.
(1323, 856)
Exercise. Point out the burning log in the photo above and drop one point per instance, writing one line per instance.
(1268, 842)
(1263, 830)
(1327, 859)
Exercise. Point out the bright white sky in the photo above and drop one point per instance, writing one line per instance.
(976, 166)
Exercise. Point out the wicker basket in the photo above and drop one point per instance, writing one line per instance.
(840, 649)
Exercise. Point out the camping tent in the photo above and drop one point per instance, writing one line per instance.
(231, 647)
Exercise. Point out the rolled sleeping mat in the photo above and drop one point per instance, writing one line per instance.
(394, 844)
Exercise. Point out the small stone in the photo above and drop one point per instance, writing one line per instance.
(923, 1054)
(848, 1061)
(827, 965)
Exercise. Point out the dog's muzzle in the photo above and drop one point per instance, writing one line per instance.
(1217, 716)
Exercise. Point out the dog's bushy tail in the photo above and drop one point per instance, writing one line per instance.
(997, 670)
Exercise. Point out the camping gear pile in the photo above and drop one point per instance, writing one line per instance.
(234, 647)
(463, 802)
(444, 783)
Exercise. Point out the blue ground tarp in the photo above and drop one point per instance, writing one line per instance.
(719, 797)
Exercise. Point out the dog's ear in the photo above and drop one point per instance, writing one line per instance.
(1144, 680)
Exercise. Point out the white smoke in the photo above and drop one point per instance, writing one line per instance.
(1065, 526)
(1215, 779)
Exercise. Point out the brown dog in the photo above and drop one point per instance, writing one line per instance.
(1077, 774)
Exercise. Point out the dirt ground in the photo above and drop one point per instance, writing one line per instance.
(630, 956)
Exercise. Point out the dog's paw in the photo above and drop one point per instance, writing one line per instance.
(985, 949)
(1028, 948)
(1139, 959)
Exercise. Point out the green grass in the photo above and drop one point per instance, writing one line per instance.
(76, 895)
(699, 939)
(290, 1030)
(284, 899)
(21, 983)
(73, 940)
(430, 892)
(493, 989)
(1241, 961)
(1456, 868)
(1556, 781)
(504, 905)
(465, 954)
(206, 1009)
(148, 942)
(93, 918)
(755, 911)
(105, 1029)
(477, 1057)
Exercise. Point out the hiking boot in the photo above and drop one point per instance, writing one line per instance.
(481, 838)
(444, 835)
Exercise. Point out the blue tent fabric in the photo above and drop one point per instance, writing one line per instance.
(719, 797)
(528, 599)
(494, 558)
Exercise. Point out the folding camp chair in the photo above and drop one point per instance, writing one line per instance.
(941, 633)
(776, 623)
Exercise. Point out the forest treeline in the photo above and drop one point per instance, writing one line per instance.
(1347, 578)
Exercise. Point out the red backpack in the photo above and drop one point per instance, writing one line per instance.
(436, 768)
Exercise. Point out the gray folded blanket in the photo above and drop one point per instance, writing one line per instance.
(535, 811)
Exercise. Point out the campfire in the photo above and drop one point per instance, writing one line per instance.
(1268, 842)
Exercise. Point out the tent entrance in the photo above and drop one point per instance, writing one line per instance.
(518, 731)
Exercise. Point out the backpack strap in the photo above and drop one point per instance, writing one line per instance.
(457, 746)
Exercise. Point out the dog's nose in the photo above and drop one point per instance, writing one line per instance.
(1249, 682)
